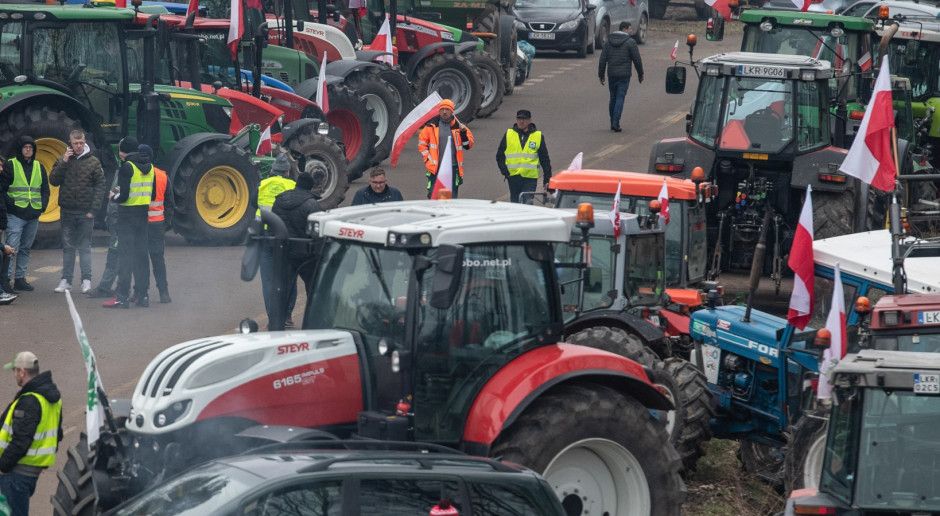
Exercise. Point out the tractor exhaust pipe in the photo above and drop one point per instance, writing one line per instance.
(898, 274)
(757, 265)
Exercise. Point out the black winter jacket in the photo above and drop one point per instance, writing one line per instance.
(294, 207)
(124, 183)
(544, 161)
(366, 195)
(6, 179)
(26, 418)
(619, 52)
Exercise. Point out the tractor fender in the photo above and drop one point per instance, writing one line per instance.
(516, 385)
(186, 146)
(807, 167)
(343, 69)
(684, 151)
(647, 331)
(48, 97)
(308, 88)
(466, 46)
(289, 130)
(411, 67)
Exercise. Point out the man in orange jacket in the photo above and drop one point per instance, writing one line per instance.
(431, 145)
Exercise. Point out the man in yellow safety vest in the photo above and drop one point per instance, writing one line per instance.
(520, 154)
(30, 432)
(27, 194)
(279, 182)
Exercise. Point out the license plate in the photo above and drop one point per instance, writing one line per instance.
(541, 35)
(925, 383)
(774, 72)
(928, 317)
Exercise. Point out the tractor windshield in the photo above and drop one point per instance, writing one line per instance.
(913, 59)
(927, 341)
(11, 41)
(600, 275)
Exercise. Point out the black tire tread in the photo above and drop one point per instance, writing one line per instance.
(617, 341)
(430, 65)
(307, 142)
(806, 430)
(695, 409)
(481, 61)
(370, 81)
(342, 98)
(75, 494)
(833, 213)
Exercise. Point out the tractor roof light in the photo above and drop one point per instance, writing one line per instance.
(692, 39)
(767, 26)
(713, 71)
(808, 75)
(883, 12)
(823, 338)
(862, 305)
(585, 216)
(698, 174)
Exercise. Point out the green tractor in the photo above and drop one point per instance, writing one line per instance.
(66, 67)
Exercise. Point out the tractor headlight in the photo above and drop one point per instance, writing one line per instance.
(569, 25)
(171, 414)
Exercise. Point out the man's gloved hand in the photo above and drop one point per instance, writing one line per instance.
(640, 78)
(463, 133)
(602, 81)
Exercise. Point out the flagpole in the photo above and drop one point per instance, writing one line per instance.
(894, 145)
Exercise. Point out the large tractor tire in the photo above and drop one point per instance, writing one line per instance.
(212, 190)
(601, 452)
(353, 117)
(658, 9)
(804, 460)
(491, 78)
(502, 48)
(322, 158)
(384, 101)
(617, 341)
(763, 461)
(454, 78)
(398, 80)
(75, 495)
(690, 421)
(833, 213)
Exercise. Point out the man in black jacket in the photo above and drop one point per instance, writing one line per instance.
(31, 432)
(21, 175)
(619, 53)
(294, 207)
(527, 153)
(378, 190)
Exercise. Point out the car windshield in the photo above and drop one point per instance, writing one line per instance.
(912, 59)
(200, 491)
(548, 4)
(928, 342)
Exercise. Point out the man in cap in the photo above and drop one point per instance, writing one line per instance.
(431, 145)
(520, 154)
(30, 433)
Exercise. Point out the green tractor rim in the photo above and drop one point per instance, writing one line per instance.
(48, 150)
(222, 197)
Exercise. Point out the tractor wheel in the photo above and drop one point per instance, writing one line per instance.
(690, 423)
(833, 214)
(599, 450)
(508, 57)
(764, 461)
(617, 341)
(657, 9)
(406, 96)
(454, 78)
(491, 78)
(602, 32)
(642, 30)
(75, 495)
(350, 114)
(322, 158)
(212, 190)
(803, 463)
(385, 103)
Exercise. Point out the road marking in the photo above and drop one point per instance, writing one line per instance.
(610, 149)
(537, 80)
(49, 268)
(672, 118)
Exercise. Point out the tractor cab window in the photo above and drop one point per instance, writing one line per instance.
(644, 274)
(758, 115)
(813, 116)
(912, 59)
(599, 281)
(215, 59)
(923, 341)
(823, 289)
(903, 113)
(11, 40)
(707, 110)
(839, 463)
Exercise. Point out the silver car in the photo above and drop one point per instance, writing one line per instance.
(609, 14)
(869, 9)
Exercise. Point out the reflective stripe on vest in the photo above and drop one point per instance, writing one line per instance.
(25, 193)
(141, 187)
(523, 161)
(41, 452)
(269, 189)
(155, 212)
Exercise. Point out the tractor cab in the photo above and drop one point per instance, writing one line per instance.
(908, 322)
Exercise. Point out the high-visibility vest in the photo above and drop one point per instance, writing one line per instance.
(26, 193)
(141, 187)
(155, 212)
(41, 452)
(270, 188)
(523, 161)
(430, 145)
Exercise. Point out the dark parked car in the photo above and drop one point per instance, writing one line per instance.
(557, 24)
(340, 478)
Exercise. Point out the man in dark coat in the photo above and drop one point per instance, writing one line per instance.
(294, 207)
(619, 53)
(23, 208)
(378, 190)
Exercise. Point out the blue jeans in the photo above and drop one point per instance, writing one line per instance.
(17, 489)
(20, 236)
(76, 236)
(618, 90)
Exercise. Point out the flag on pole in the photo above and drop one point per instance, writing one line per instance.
(614, 214)
(835, 323)
(383, 43)
(193, 7)
(675, 51)
(264, 144)
(236, 28)
(801, 263)
(871, 157)
(802, 5)
(445, 171)
(663, 199)
(576, 162)
(413, 121)
(94, 415)
(323, 96)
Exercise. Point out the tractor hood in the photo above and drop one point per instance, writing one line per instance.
(723, 327)
(294, 378)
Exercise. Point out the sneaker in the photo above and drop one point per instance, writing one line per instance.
(100, 293)
(63, 286)
(143, 302)
(115, 303)
(21, 285)
(8, 287)
(165, 297)
(288, 323)
(86, 286)
(6, 299)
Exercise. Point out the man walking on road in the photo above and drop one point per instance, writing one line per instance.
(27, 197)
(431, 145)
(294, 207)
(30, 433)
(619, 53)
(377, 190)
(157, 221)
(520, 154)
(270, 187)
(80, 179)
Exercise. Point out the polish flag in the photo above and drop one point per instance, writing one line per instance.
(383, 43)
(576, 162)
(721, 6)
(445, 171)
(675, 51)
(864, 62)
(264, 144)
(614, 214)
(835, 323)
(413, 121)
(871, 158)
(192, 8)
(801, 263)
(664, 202)
(236, 28)
(323, 97)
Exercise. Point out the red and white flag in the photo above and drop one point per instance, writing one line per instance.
(576, 162)
(236, 28)
(445, 171)
(864, 62)
(192, 8)
(802, 5)
(835, 323)
(413, 121)
(264, 144)
(323, 96)
(383, 43)
(663, 199)
(871, 157)
(675, 51)
(614, 214)
(801, 263)
(721, 6)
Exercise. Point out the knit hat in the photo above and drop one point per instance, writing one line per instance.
(128, 145)
(281, 165)
(145, 150)
(446, 103)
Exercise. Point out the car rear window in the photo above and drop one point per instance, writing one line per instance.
(406, 497)
(501, 500)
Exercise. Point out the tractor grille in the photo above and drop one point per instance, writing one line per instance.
(172, 366)
(542, 26)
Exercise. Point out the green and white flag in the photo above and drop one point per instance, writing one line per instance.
(94, 415)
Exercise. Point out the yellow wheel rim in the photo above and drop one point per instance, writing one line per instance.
(222, 197)
(48, 150)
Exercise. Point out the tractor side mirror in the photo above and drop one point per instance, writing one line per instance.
(715, 28)
(447, 274)
(675, 80)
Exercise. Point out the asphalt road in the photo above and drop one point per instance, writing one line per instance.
(568, 105)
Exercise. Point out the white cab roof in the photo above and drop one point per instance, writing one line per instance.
(868, 255)
(791, 61)
(457, 221)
